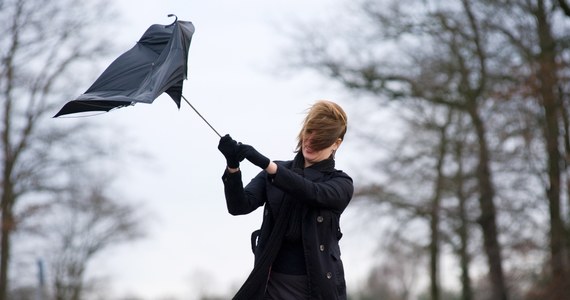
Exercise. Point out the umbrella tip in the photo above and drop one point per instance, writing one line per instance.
(175, 20)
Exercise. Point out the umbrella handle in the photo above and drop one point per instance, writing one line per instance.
(201, 116)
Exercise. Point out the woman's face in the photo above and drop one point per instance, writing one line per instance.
(313, 156)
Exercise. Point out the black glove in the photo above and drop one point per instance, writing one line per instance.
(231, 151)
(253, 156)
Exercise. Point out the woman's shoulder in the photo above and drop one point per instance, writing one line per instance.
(341, 173)
(285, 163)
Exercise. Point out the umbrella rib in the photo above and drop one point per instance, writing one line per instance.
(200, 115)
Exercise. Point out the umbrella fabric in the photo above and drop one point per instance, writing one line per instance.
(156, 64)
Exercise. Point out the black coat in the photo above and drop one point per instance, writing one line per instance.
(325, 192)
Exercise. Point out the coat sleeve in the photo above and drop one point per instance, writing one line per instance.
(334, 193)
(240, 200)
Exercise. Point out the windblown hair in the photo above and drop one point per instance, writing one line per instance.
(327, 121)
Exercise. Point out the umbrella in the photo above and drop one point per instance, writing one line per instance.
(156, 64)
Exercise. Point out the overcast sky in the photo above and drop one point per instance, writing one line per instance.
(193, 242)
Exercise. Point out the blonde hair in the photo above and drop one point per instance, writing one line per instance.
(327, 121)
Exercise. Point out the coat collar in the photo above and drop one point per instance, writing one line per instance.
(325, 166)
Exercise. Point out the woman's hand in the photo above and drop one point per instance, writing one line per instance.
(258, 159)
(231, 151)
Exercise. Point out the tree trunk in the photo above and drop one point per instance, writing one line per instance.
(7, 226)
(488, 217)
(435, 218)
(7, 200)
(566, 129)
(6, 204)
(462, 230)
(547, 93)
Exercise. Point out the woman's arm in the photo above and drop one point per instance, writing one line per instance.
(240, 200)
(334, 193)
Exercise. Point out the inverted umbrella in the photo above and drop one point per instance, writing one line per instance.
(156, 64)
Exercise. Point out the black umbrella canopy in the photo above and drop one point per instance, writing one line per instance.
(156, 64)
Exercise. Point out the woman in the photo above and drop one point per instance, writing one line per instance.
(297, 253)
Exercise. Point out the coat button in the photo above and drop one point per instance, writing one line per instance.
(266, 212)
(322, 248)
(329, 275)
(320, 219)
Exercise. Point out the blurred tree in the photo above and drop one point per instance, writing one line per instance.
(458, 149)
(468, 57)
(436, 206)
(396, 275)
(537, 38)
(449, 67)
(42, 45)
(84, 223)
(432, 148)
(565, 6)
(547, 86)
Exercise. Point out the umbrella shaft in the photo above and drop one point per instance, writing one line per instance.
(200, 115)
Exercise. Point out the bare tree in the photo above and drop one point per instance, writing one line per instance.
(452, 72)
(42, 44)
(395, 277)
(547, 93)
(460, 179)
(538, 38)
(86, 222)
(448, 54)
(565, 6)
